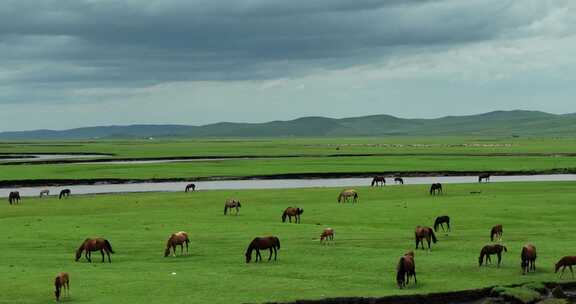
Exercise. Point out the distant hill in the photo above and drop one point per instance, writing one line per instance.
(503, 123)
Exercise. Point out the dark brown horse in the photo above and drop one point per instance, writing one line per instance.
(440, 221)
(436, 189)
(292, 212)
(271, 243)
(97, 244)
(399, 180)
(422, 233)
(406, 268)
(64, 193)
(484, 177)
(61, 282)
(327, 234)
(378, 180)
(567, 261)
(489, 250)
(178, 238)
(232, 204)
(528, 257)
(14, 197)
(496, 233)
(190, 187)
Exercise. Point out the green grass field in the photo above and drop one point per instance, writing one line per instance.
(39, 237)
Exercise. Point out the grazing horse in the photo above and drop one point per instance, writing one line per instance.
(345, 196)
(178, 238)
(14, 197)
(44, 192)
(406, 268)
(327, 234)
(484, 177)
(489, 250)
(62, 281)
(378, 180)
(64, 193)
(567, 261)
(496, 232)
(292, 212)
(436, 189)
(399, 180)
(422, 233)
(270, 242)
(190, 186)
(440, 221)
(232, 203)
(98, 244)
(528, 257)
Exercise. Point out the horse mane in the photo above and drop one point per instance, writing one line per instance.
(284, 216)
(300, 210)
(482, 254)
(436, 223)
(251, 247)
(373, 181)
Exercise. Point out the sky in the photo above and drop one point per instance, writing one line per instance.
(74, 63)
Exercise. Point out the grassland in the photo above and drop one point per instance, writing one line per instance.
(38, 239)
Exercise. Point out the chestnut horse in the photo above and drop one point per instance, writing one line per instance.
(422, 233)
(378, 180)
(567, 261)
(440, 221)
(436, 189)
(327, 234)
(406, 268)
(292, 212)
(489, 250)
(232, 203)
(97, 244)
(14, 197)
(64, 193)
(496, 232)
(190, 187)
(178, 238)
(62, 281)
(528, 257)
(345, 196)
(484, 177)
(270, 242)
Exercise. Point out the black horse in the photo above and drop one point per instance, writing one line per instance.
(378, 181)
(436, 189)
(399, 180)
(64, 193)
(440, 221)
(190, 187)
(484, 177)
(14, 197)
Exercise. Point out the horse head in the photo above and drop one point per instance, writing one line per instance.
(167, 251)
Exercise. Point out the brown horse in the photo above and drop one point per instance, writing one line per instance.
(345, 196)
(484, 177)
(436, 189)
(440, 221)
(62, 281)
(496, 232)
(190, 187)
(378, 180)
(270, 242)
(567, 261)
(406, 268)
(97, 244)
(14, 197)
(489, 250)
(292, 212)
(327, 234)
(178, 238)
(399, 180)
(64, 193)
(422, 233)
(232, 203)
(528, 257)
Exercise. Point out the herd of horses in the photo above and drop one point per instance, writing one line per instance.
(14, 196)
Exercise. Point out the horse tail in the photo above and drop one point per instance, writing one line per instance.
(434, 239)
(58, 287)
(505, 249)
(277, 242)
(373, 182)
(284, 216)
(108, 246)
(436, 223)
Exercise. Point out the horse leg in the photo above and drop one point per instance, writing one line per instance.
(89, 256)
(102, 253)
(571, 271)
(275, 253)
(187, 252)
(182, 249)
(499, 258)
(270, 255)
(108, 254)
(258, 255)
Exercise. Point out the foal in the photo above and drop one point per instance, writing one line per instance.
(528, 257)
(292, 212)
(232, 204)
(327, 234)
(496, 232)
(489, 250)
(61, 282)
(406, 268)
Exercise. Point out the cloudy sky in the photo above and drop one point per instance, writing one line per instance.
(71, 63)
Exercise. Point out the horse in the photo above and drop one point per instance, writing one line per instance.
(14, 197)
(270, 242)
(62, 281)
(399, 180)
(528, 257)
(44, 192)
(484, 177)
(190, 186)
(378, 180)
(232, 203)
(90, 245)
(327, 234)
(567, 261)
(406, 268)
(64, 193)
(422, 233)
(440, 221)
(292, 212)
(496, 231)
(436, 189)
(345, 195)
(489, 250)
(178, 238)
